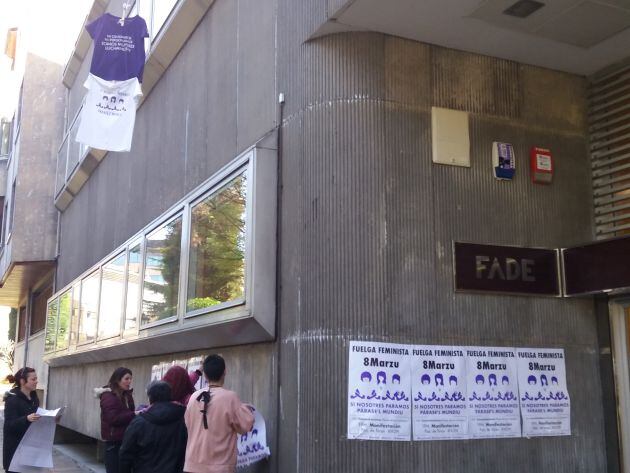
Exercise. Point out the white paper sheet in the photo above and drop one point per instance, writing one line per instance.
(379, 391)
(545, 402)
(252, 447)
(438, 378)
(35, 450)
(493, 405)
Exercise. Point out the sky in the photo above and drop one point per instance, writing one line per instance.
(48, 28)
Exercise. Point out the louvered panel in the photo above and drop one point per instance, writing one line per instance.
(609, 125)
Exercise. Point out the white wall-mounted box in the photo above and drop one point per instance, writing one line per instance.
(451, 141)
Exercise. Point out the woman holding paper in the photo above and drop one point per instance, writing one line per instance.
(20, 407)
(117, 412)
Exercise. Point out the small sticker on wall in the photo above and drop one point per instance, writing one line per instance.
(503, 161)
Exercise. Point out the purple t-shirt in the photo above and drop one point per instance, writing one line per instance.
(118, 50)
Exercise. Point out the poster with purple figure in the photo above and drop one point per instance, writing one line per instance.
(438, 381)
(379, 391)
(545, 402)
(492, 392)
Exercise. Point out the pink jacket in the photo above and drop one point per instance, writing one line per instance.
(214, 450)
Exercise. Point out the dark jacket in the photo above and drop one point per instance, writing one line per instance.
(16, 408)
(155, 441)
(116, 413)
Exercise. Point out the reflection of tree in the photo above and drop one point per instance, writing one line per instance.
(51, 326)
(161, 280)
(217, 247)
(63, 321)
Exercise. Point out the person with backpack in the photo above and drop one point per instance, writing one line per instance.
(214, 417)
(155, 441)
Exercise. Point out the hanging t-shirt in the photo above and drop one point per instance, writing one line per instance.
(109, 113)
(118, 49)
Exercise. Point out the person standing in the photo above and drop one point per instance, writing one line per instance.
(20, 407)
(155, 441)
(117, 412)
(214, 417)
(182, 383)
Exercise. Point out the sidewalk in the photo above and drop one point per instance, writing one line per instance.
(62, 462)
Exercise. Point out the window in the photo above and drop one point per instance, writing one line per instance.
(51, 326)
(12, 214)
(63, 323)
(38, 316)
(112, 294)
(155, 13)
(76, 312)
(5, 138)
(134, 270)
(21, 324)
(216, 268)
(161, 272)
(90, 287)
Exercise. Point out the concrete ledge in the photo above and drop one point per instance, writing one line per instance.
(84, 455)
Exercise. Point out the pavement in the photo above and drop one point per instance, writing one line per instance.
(68, 458)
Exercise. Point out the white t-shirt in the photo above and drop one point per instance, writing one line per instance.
(109, 113)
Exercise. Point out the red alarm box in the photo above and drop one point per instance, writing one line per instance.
(541, 165)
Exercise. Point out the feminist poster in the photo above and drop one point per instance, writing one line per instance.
(439, 392)
(252, 446)
(545, 403)
(492, 392)
(379, 391)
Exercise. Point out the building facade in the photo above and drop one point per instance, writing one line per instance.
(281, 200)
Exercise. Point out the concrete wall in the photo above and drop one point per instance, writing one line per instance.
(367, 227)
(250, 372)
(216, 99)
(35, 221)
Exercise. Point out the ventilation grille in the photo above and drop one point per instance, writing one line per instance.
(609, 126)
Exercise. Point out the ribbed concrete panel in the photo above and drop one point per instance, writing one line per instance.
(368, 224)
(478, 84)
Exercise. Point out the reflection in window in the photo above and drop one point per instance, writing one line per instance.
(216, 271)
(51, 326)
(76, 312)
(133, 287)
(89, 307)
(161, 272)
(112, 293)
(63, 332)
(161, 11)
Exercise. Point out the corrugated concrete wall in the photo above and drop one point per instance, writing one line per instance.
(368, 223)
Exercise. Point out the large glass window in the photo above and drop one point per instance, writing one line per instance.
(134, 269)
(112, 295)
(51, 326)
(76, 312)
(89, 307)
(161, 272)
(216, 269)
(63, 322)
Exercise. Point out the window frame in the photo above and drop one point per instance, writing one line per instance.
(181, 212)
(100, 298)
(91, 273)
(51, 301)
(68, 291)
(246, 170)
(129, 333)
(256, 314)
